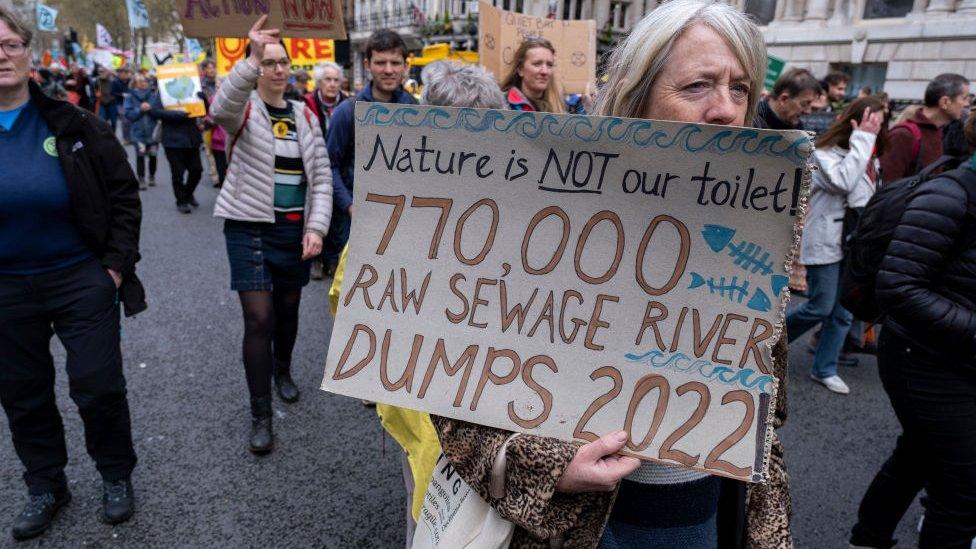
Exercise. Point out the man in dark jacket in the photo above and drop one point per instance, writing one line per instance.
(792, 97)
(927, 363)
(181, 140)
(917, 142)
(69, 242)
(386, 61)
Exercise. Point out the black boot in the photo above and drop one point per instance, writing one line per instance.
(38, 514)
(262, 435)
(118, 501)
(287, 391)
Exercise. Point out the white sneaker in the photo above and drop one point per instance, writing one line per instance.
(834, 383)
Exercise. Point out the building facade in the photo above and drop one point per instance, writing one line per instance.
(891, 45)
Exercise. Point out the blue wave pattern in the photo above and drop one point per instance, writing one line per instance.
(641, 133)
(747, 378)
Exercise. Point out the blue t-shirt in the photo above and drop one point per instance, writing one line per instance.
(37, 232)
(7, 118)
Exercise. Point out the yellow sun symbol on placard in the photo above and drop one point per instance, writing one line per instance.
(280, 129)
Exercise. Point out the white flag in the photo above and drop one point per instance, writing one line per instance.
(102, 38)
(46, 16)
(138, 14)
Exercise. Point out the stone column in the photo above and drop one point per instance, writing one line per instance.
(940, 7)
(967, 7)
(840, 15)
(817, 10)
(792, 11)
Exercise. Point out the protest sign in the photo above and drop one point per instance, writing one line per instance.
(304, 53)
(179, 86)
(570, 276)
(294, 18)
(500, 33)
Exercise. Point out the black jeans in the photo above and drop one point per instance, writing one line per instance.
(338, 235)
(935, 400)
(184, 161)
(79, 305)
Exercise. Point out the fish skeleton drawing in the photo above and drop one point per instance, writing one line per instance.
(749, 256)
(732, 289)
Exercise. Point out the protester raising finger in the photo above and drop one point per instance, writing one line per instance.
(276, 200)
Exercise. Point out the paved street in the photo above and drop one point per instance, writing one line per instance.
(334, 478)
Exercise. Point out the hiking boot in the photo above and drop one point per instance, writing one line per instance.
(142, 184)
(184, 208)
(262, 434)
(38, 513)
(284, 386)
(118, 501)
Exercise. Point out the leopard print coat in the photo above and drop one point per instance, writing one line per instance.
(545, 518)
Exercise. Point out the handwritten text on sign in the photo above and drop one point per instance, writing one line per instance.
(569, 276)
(294, 18)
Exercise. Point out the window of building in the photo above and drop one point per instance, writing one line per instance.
(573, 9)
(762, 10)
(618, 14)
(876, 9)
(871, 75)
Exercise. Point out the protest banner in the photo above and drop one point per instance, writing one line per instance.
(570, 276)
(774, 68)
(304, 53)
(294, 18)
(179, 86)
(500, 32)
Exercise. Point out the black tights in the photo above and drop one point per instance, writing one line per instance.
(270, 329)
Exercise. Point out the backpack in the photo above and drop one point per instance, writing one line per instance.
(868, 244)
(247, 116)
(916, 132)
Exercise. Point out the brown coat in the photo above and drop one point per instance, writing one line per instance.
(542, 516)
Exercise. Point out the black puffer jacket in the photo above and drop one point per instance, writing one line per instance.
(927, 280)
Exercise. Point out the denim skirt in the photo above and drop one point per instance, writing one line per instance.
(264, 256)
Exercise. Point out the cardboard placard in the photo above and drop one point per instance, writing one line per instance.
(304, 53)
(500, 32)
(570, 276)
(295, 18)
(179, 86)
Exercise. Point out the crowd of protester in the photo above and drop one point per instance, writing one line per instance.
(280, 146)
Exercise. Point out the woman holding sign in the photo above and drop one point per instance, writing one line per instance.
(687, 61)
(276, 200)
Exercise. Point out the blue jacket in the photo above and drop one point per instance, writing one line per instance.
(179, 130)
(341, 143)
(143, 123)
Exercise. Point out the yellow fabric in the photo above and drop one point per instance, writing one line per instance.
(412, 430)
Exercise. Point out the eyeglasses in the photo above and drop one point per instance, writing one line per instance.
(272, 63)
(13, 49)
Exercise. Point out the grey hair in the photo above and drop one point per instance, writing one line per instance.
(450, 84)
(945, 85)
(319, 71)
(637, 62)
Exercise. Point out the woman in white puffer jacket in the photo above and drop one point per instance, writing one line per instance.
(847, 173)
(277, 201)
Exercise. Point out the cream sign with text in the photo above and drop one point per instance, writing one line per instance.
(569, 276)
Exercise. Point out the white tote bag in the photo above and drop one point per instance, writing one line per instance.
(454, 515)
